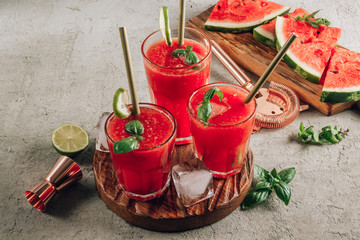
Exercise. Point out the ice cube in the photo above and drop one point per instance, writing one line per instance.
(101, 143)
(219, 108)
(193, 182)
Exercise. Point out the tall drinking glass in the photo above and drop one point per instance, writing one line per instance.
(170, 80)
(222, 142)
(143, 173)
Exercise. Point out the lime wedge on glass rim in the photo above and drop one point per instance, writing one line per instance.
(69, 139)
(120, 104)
(165, 25)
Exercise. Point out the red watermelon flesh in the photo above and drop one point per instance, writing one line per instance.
(342, 78)
(242, 15)
(311, 51)
(266, 33)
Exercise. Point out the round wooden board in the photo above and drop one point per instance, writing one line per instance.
(167, 213)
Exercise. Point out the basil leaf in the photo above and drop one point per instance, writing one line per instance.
(211, 93)
(330, 138)
(313, 14)
(263, 185)
(316, 136)
(255, 197)
(204, 111)
(188, 49)
(134, 127)
(261, 173)
(309, 130)
(287, 175)
(178, 52)
(275, 174)
(126, 145)
(283, 191)
(191, 58)
(302, 130)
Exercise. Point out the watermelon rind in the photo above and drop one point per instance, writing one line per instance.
(291, 60)
(243, 27)
(264, 37)
(334, 95)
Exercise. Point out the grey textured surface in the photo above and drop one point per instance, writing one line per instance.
(61, 62)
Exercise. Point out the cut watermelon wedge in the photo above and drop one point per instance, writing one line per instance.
(241, 16)
(266, 33)
(311, 51)
(342, 78)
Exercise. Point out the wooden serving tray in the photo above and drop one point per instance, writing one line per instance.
(254, 56)
(167, 213)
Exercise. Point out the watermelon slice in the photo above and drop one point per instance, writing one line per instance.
(241, 16)
(266, 33)
(342, 78)
(311, 51)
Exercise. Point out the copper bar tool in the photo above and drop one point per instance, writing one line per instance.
(63, 174)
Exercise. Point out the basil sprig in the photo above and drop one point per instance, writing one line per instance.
(314, 22)
(327, 135)
(268, 182)
(190, 56)
(205, 109)
(134, 128)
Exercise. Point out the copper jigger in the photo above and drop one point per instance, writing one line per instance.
(64, 173)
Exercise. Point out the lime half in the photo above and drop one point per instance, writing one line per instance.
(69, 139)
(165, 25)
(120, 104)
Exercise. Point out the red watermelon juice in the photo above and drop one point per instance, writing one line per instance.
(170, 79)
(144, 173)
(222, 143)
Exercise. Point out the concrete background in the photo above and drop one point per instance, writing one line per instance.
(60, 61)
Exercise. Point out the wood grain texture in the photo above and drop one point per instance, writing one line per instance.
(254, 56)
(167, 213)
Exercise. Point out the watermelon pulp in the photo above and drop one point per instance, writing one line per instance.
(241, 16)
(311, 51)
(342, 78)
(266, 33)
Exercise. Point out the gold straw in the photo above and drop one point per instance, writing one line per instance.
(270, 68)
(181, 29)
(129, 70)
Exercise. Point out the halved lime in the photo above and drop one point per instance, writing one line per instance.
(120, 104)
(69, 139)
(165, 25)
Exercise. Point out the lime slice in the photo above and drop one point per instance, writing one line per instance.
(69, 139)
(120, 104)
(165, 25)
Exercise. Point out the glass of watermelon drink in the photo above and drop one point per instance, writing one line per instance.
(143, 173)
(170, 79)
(222, 142)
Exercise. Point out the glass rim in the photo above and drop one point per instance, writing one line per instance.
(151, 105)
(186, 67)
(220, 125)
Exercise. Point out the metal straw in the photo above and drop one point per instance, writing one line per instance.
(181, 29)
(270, 68)
(129, 70)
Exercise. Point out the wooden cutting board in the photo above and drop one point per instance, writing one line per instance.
(254, 56)
(167, 213)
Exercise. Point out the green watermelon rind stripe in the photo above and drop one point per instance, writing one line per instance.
(260, 35)
(292, 61)
(331, 96)
(243, 27)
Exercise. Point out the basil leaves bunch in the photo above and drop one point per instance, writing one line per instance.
(327, 135)
(190, 56)
(205, 109)
(314, 22)
(268, 182)
(134, 128)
